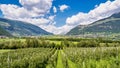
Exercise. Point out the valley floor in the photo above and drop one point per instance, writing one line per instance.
(98, 57)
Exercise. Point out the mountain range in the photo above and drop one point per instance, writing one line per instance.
(19, 28)
(3, 32)
(104, 26)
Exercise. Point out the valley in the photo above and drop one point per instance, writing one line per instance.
(59, 33)
(59, 52)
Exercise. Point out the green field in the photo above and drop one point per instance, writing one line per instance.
(4, 50)
(59, 53)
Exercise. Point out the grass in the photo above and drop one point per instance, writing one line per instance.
(59, 61)
(2, 51)
(59, 42)
(56, 42)
(71, 64)
(54, 62)
(7, 39)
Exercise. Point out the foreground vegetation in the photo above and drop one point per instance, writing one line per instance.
(94, 57)
(59, 53)
(26, 58)
(105, 57)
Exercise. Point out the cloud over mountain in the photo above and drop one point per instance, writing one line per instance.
(101, 11)
(32, 11)
(38, 12)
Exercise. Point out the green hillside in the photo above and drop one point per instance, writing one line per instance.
(19, 28)
(4, 32)
(104, 26)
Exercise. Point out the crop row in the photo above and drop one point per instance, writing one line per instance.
(102, 57)
(99, 57)
(27, 58)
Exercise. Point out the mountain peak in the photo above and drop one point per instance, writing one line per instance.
(19, 28)
(107, 26)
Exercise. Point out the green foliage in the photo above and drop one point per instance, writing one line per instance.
(52, 62)
(94, 57)
(58, 57)
(26, 58)
(66, 42)
(90, 43)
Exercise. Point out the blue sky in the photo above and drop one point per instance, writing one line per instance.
(75, 6)
(69, 15)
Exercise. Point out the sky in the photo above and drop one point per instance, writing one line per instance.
(58, 16)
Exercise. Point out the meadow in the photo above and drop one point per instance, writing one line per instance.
(59, 52)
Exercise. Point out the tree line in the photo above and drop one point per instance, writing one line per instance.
(38, 42)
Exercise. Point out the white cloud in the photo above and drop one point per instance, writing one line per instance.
(30, 8)
(14, 11)
(36, 21)
(32, 11)
(54, 9)
(37, 6)
(57, 30)
(35, 11)
(101, 11)
(63, 7)
(51, 18)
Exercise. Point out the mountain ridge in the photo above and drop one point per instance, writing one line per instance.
(20, 28)
(4, 32)
(107, 25)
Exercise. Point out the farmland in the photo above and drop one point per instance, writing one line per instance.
(59, 52)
